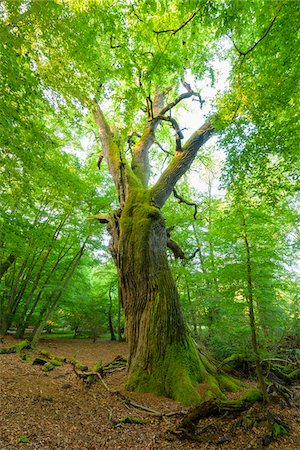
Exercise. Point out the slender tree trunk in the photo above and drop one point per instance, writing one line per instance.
(53, 304)
(193, 311)
(61, 255)
(120, 337)
(259, 373)
(110, 323)
(25, 317)
(6, 265)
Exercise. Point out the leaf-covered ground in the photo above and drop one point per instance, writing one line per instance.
(56, 410)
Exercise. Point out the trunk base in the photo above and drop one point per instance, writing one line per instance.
(183, 374)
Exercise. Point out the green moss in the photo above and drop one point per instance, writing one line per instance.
(229, 383)
(79, 365)
(288, 368)
(98, 366)
(183, 374)
(48, 367)
(89, 380)
(252, 395)
(55, 362)
(51, 356)
(25, 357)
(45, 353)
(294, 375)
(130, 419)
(17, 348)
(278, 430)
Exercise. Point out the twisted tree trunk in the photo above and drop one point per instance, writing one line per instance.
(163, 357)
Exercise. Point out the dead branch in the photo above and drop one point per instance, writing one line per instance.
(174, 31)
(175, 126)
(244, 54)
(182, 200)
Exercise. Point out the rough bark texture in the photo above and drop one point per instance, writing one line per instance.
(163, 358)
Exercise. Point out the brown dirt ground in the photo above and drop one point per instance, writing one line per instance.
(56, 410)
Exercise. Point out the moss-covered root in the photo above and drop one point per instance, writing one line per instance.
(16, 348)
(49, 355)
(130, 420)
(182, 374)
(215, 407)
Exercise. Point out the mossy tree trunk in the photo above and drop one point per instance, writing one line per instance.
(163, 357)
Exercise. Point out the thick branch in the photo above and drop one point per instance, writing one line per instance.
(103, 218)
(110, 150)
(140, 161)
(180, 164)
(176, 249)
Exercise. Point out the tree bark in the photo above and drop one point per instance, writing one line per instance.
(163, 357)
(110, 322)
(259, 372)
(6, 265)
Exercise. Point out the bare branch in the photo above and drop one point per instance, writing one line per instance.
(176, 101)
(111, 42)
(174, 31)
(182, 200)
(178, 131)
(100, 158)
(257, 42)
(179, 165)
(176, 249)
(163, 149)
(102, 218)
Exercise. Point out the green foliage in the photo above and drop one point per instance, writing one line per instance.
(54, 60)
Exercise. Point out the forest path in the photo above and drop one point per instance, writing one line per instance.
(55, 410)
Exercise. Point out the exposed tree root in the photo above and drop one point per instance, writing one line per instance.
(267, 426)
(214, 407)
(23, 345)
(89, 377)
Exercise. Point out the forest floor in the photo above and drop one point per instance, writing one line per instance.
(56, 410)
